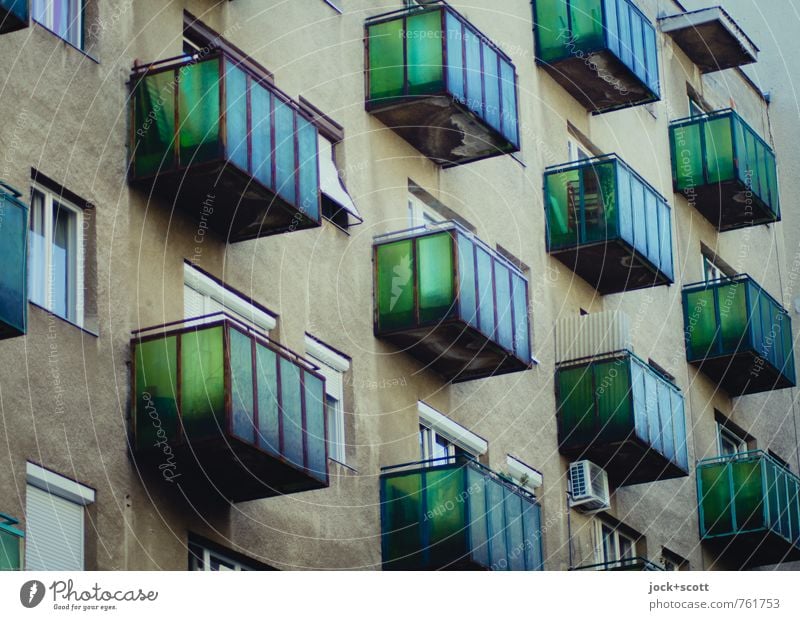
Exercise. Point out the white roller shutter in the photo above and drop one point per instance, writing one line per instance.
(54, 536)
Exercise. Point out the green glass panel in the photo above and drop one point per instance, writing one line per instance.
(261, 110)
(445, 517)
(241, 360)
(715, 499)
(154, 124)
(774, 496)
(740, 146)
(613, 390)
(425, 72)
(687, 157)
(772, 183)
(291, 413)
(285, 172)
(719, 149)
(599, 202)
(13, 253)
(435, 276)
(395, 270)
(732, 300)
(478, 526)
(402, 520)
(386, 63)
(202, 382)
(315, 425)
(562, 193)
(576, 412)
(156, 385)
(199, 112)
(268, 411)
(552, 26)
(701, 322)
(587, 25)
(236, 114)
(749, 494)
(9, 551)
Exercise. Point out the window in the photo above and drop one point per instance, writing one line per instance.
(522, 474)
(441, 438)
(711, 271)
(695, 108)
(337, 205)
(576, 150)
(62, 17)
(613, 546)
(55, 267)
(332, 366)
(205, 556)
(674, 562)
(204, 296)
(729, 442)
(420, 214)
(54, 511)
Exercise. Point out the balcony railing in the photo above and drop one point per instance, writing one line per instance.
(441, 84)
(224, 145)
(10, 544)
(218, 408)
(738, 335)
(452, 302)
(725, 170)
(603, 52)
(620, 413)
(13, 258)
(442, 514)
(749, 508)
(14, 15)
(608, 224)
(625, 564)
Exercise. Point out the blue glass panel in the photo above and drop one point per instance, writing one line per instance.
(532, 518)
(455, 57)
(651, 57)
(653, 422)
(651, 223)
(612, 27)
(466, 283)
(626, 45)
(236, 114)
(492, 87)
(261, 134)
(315, 425)
(624, 204)
(474, 74)
(268, 411)
(284, 151)
(679, 426)
(665, 415)
(522, 344)
(241, 361)
(485, 292)
(478, 527)
(505, 328)
(639, 393)
(292, 413)
(665, 238)
(515, 533)
(637, 36)
(509, 92)
(309, 175)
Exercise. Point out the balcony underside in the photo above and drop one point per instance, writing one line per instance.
(752, 549)
(600, 82)
(627, 462)
(12, 20)
(456, 351)
(611, 267)
(231, 202)
(743, 373)
(725, 205)
(442, 129)
(229, 468)
(712, 46)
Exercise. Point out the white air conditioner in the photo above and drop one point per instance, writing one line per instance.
(588, 487)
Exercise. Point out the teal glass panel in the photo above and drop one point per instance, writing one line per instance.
(14, 15)
(700, 323)
(261, 135)
(395, 283)
(386, 62)
(719, 149)
(639, 401)
(424, 53)
(638, 193)
(652, 249)
(748, 494)
(285, 178)
(679, 425)
(315, 425)
(485, 292)
(522, 342)
(13, 257)
(154, 123)
(455, 57)
(291, 413)
(445, 517)
(515, 531)
(402, 519)
(236, 114)
(199, 112)
(732, 303)
(772, 183)
(651, 58)
(479, 525)
(667, 444)
(466, 280)
(687, 156)
(624, 21)
(491, 108)
(534, 553)
(715, 500)
(309, 168)
(637, 37)
(586, 25)
(156, 387)
(9, 550)
(551, 29)
(624, 204)
(664, 261)
(505, 324)
(612, 389)
(508, 88)
(242, 397)
(496, 517)
(612, 27)
(268, 405)
(472, 45)
(202, 382)
(773, 496)
(562, 203)
(576, 406)
(435, 276)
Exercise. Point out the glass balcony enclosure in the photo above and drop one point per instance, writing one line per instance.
(223, 144)
(725, 170)
(220, 409)
(738, 335)
(603, 52)
(623, 415)
(10, 544)
(608, 224)
(749, 508)
(14, 15)
(625, 564)
(441, 84)
(452, 302)
(13, 258)
(457, 514)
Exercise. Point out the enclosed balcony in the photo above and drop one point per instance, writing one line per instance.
(457, 515)
(749, 509)
(602, 52)
(725, 170)
(10, 544)
(441, 84)
(218, 409)
(608, 225)
(738, 335)
(452, 302)
(221, 143)
(710, 38)
(622, 414)
(13, 258)
(14, 15)
(625, 564)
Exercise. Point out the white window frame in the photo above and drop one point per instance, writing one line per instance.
(726, 434)
(420, 213)
(712, 271)
(696, 108)
(577, 149)
(332, 366)
(434, 424)
(76, 233)
(221, 558)
(616, 537)
(49, 19)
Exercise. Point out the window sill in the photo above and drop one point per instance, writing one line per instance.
(61, 318)
(65, 42)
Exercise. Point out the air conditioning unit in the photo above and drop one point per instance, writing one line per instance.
(588, 485)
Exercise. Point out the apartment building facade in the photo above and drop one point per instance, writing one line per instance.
(359, 285)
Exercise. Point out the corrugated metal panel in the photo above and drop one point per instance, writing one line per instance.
(592, 334)
(54, 528)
